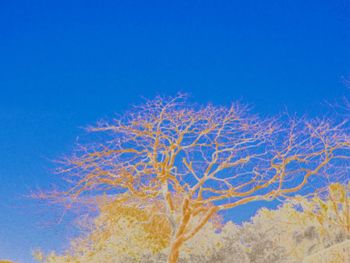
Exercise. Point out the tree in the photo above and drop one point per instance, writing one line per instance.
(199, 160)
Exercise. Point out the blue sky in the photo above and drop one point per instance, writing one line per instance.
(67, 64)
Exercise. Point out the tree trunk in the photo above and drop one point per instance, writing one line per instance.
(178, 238)
(174, 251)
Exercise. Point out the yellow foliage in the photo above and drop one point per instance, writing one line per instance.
(151, 230)
(122, 233)
(305, 230)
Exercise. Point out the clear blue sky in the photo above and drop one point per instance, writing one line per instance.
(66, 64)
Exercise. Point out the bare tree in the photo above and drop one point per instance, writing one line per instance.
(199, 160)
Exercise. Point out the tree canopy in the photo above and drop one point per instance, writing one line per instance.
(195, 161)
